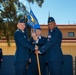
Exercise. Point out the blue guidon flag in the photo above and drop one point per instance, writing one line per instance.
(32, 20)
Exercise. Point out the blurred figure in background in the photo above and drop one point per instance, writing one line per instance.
(38, 40)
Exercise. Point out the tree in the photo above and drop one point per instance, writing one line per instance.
(39, 2)
(10, 14)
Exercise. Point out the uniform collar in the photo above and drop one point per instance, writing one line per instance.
(53, 29)
(22, 31)
(39, 37)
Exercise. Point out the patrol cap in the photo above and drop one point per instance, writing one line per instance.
(51, 19)
(23, 20)
(38, 28)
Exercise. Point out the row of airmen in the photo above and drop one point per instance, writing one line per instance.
(49, 50)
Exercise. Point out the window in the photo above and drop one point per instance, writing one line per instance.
(71, 34)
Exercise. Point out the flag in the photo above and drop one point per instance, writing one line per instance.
(32, 20)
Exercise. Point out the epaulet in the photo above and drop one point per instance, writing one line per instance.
(56, 28)
(17, 30)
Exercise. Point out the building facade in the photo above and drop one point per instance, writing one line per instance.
(68, 31)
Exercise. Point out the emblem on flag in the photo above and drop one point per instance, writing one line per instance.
(32, 20)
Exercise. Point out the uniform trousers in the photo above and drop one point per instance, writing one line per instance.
(20, 68)
(55, 67)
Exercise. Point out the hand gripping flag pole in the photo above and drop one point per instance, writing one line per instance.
(37, 58)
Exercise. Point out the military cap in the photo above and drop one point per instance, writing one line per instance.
(51, 19)
(23, 20)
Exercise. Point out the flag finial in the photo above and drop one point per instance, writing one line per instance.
(49, 14)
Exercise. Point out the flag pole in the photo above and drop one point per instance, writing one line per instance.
(38, 63)
(37, 57)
